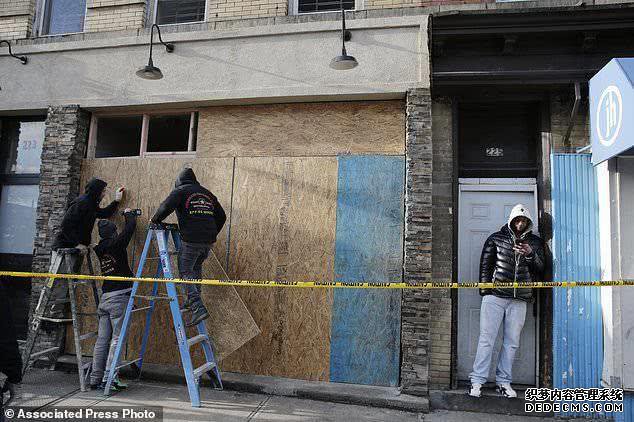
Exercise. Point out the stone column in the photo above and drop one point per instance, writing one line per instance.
(415, 317)
(64, 148)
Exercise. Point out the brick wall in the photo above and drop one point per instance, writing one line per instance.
(220, 10)
(442, 247)
(64, 147)
(16, 18)
(415, 312)
(114, 15)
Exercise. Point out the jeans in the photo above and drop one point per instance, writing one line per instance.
(190, 267)
(60, 288)
(493, 311)
(111, 311)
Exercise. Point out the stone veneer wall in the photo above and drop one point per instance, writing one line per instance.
(415, 316)
(64, 148)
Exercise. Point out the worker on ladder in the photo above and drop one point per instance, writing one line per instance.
(113, 259)
(200, 219)
(77, 225)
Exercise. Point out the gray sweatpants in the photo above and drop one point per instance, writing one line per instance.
(111, 311)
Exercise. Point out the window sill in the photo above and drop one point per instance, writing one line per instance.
(169, 154)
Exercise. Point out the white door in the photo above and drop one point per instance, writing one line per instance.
(483, 212)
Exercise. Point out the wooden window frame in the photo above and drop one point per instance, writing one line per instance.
(145, 127)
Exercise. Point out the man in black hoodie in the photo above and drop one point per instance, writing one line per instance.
(200, 219)
(77, 225)
(113, 258)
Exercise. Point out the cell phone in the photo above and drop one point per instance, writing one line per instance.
(518, 242)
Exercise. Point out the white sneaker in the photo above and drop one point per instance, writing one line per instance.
(474, 391)
(505, 390)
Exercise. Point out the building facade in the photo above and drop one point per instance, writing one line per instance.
(395, 170)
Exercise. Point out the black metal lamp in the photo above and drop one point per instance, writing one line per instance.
(23, 59)
(344, 62)
(150, 71)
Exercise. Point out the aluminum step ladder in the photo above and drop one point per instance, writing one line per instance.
(66, 259)
(161, 232)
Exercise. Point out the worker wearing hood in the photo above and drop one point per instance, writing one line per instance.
(76, 232)
(513, 254)
(76, 228)
(200, 219)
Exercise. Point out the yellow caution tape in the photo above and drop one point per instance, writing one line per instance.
(328, 284)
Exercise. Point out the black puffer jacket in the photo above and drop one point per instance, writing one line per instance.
(81, 215)
(499, 263)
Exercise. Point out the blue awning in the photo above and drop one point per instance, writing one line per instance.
(612, 110)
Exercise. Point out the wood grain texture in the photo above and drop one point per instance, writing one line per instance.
(148, 181)
(365, 339)
(306, 129)
(284, 229)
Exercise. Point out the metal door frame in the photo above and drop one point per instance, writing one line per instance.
(502, 185)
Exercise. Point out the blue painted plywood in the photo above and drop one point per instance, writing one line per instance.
(365, 329)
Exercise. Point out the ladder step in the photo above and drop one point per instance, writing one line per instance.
(200, 371)
(145, 308)
(58, 301)
(153, 297)
(127, 363)
(197, 339)
(43, 352)
(43, 318)
(87, 336)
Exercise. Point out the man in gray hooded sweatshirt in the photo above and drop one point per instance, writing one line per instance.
(513, 254)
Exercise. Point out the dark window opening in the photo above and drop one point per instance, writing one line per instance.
(498, 140)
(119, 136)
(311, 6)
(169, 133)
(180, 11)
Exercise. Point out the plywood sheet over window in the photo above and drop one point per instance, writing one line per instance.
(307, 129)
(148, 182)
(284, 228)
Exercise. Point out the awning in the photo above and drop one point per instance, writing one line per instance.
(612, 110)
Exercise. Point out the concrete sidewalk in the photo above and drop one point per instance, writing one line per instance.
(44, 389)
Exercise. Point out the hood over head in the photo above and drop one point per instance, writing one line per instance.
(107, 229)
(94, 187)
(186, 177)
(520, 210)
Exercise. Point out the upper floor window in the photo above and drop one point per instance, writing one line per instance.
(312, 6)
(179, 11)
(143, 135)
(63, 16)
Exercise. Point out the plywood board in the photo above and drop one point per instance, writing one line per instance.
(306, 130)
(365, 340)
(284, 228)
(148, 182)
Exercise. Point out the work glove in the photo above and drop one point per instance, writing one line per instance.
(83, 249)
(118, 196)
(11, 391)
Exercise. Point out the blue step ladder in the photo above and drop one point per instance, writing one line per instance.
(192, 375)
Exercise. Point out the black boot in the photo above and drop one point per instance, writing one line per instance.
(199, 313)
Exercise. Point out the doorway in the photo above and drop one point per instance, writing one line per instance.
(483, 209)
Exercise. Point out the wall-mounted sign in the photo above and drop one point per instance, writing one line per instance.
(611, 98)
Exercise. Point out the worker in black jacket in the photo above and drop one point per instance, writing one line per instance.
(10, 360)
(113, 257)
(200, 219)
(513, 254)
(76, 230)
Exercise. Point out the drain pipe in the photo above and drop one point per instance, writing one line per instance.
(575, 108)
